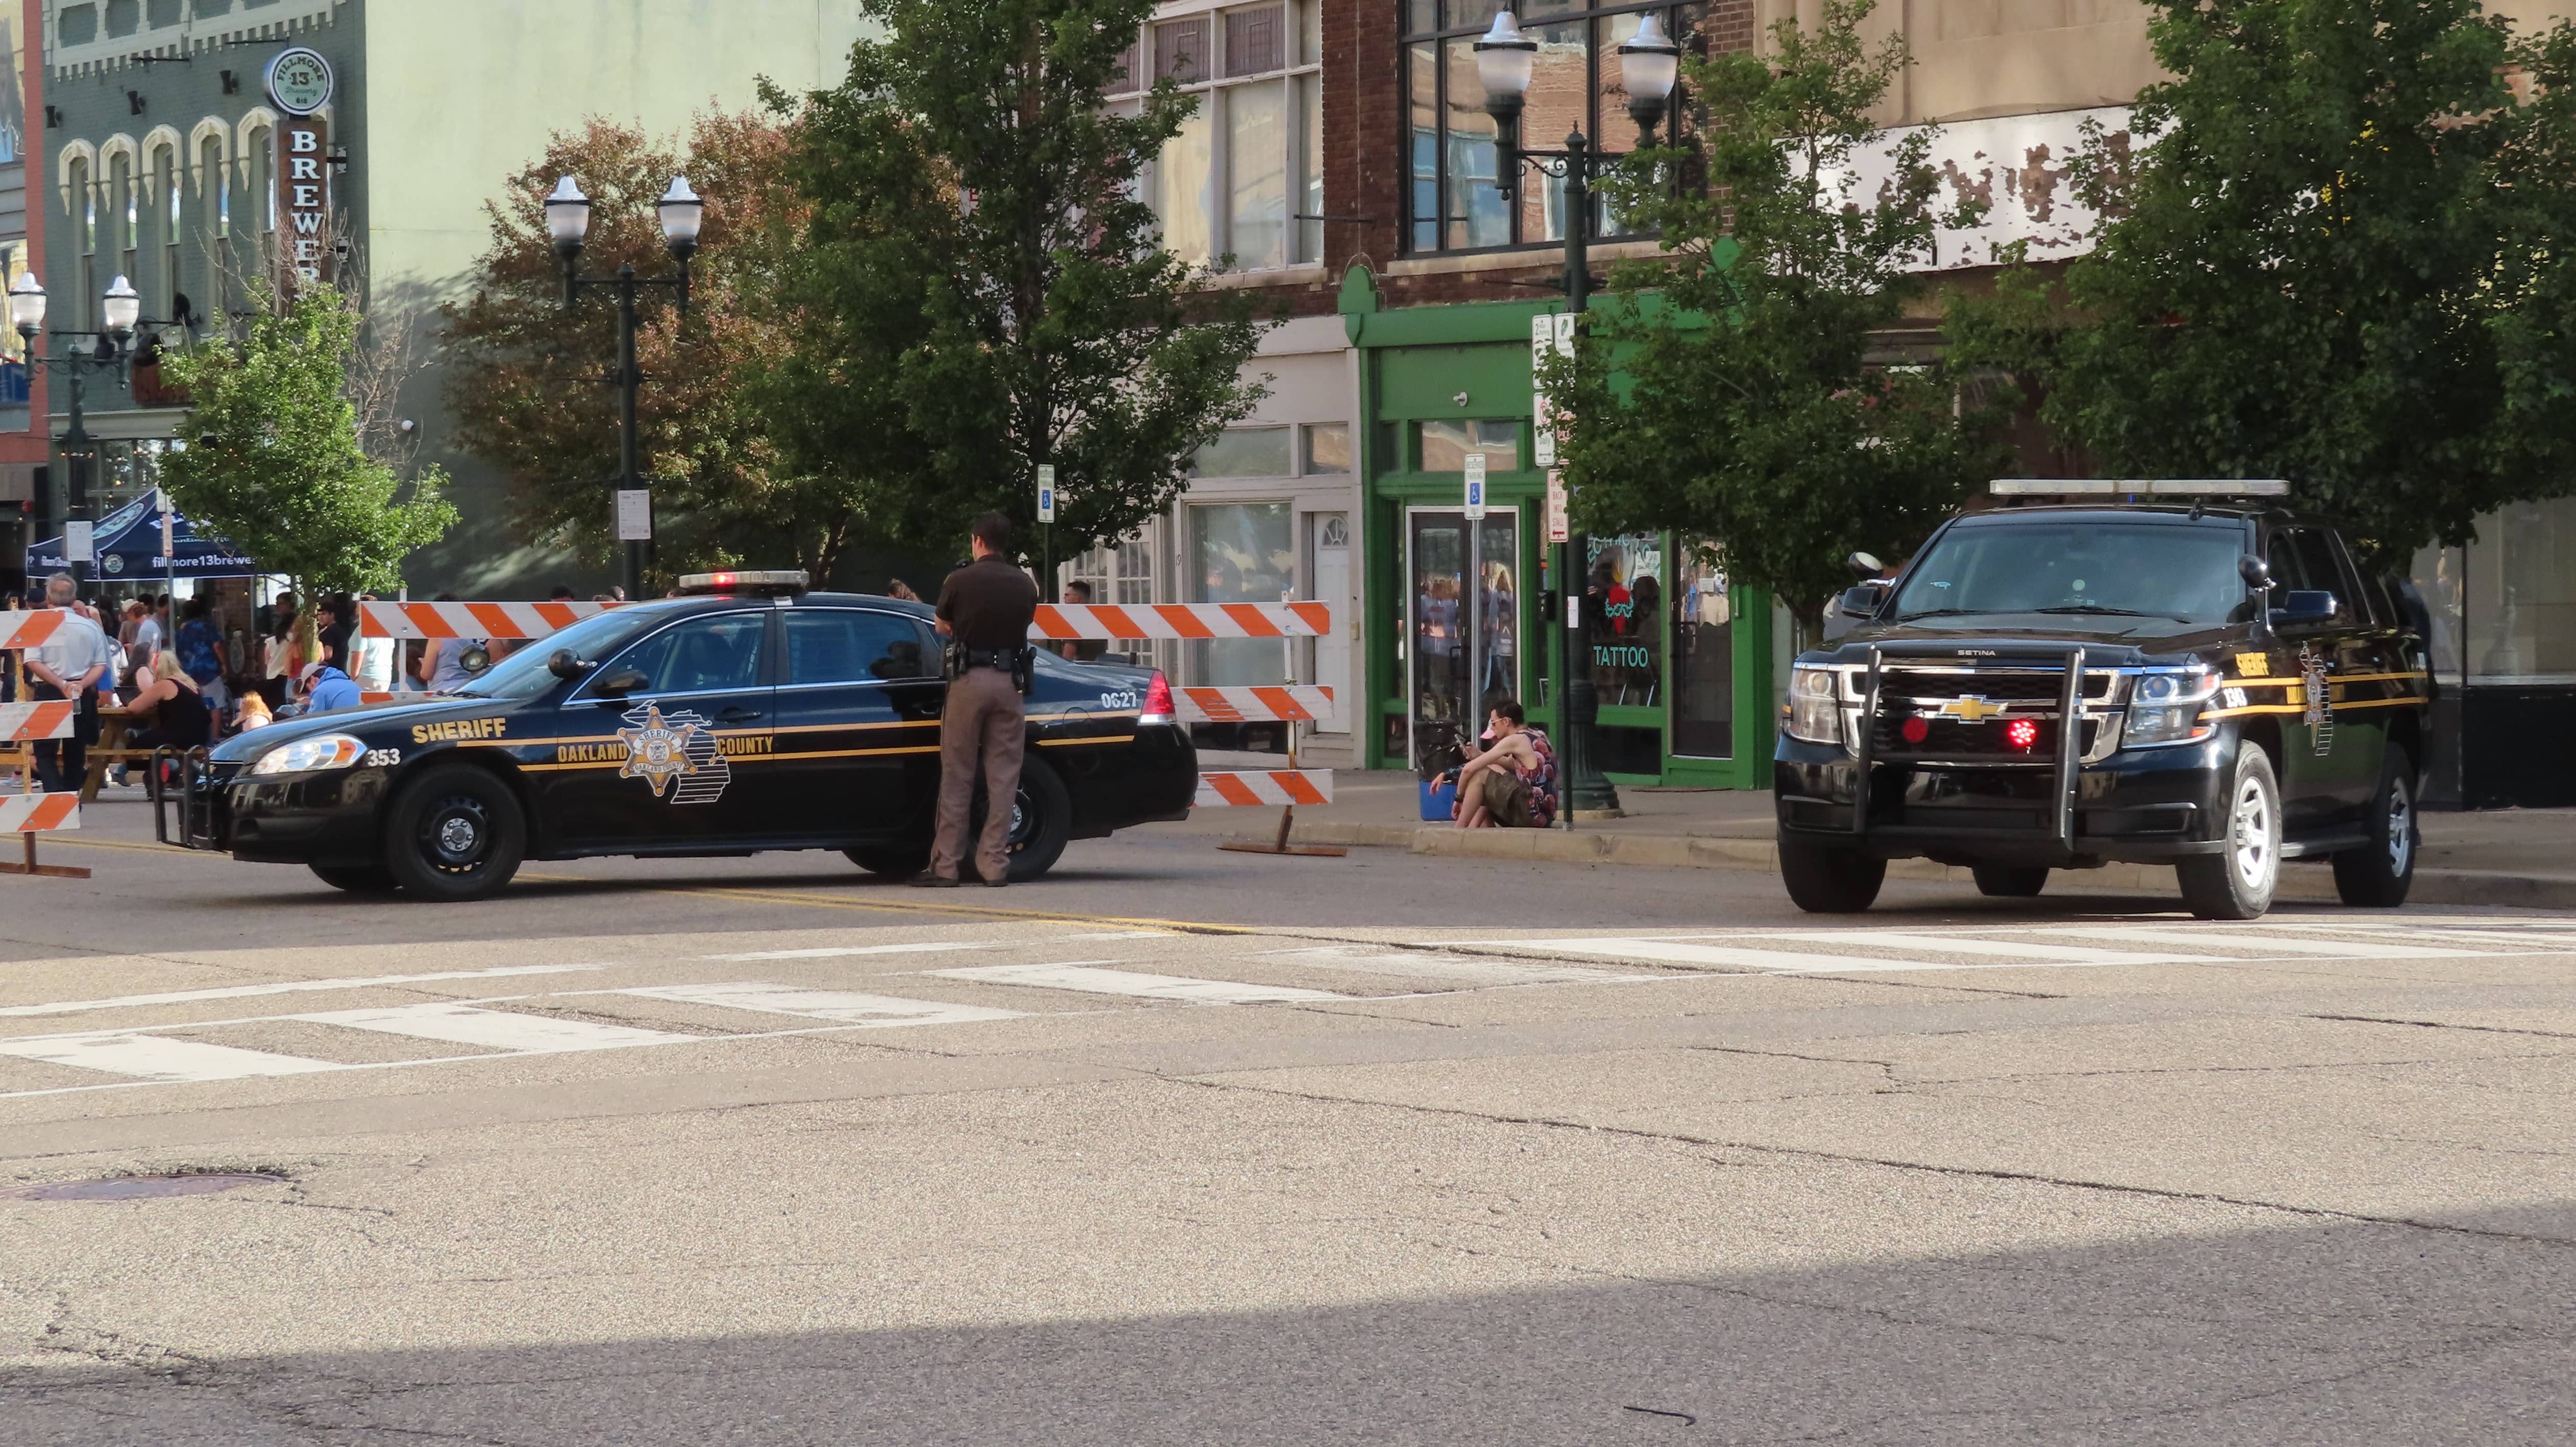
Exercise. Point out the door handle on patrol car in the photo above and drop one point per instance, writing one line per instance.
(738, 715)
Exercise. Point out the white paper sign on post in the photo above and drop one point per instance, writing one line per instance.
(1543, 428)
(634, 515)
(1046, 492)
(1564, 334)
(1475, 487)
(76, 543)
(1559, 526)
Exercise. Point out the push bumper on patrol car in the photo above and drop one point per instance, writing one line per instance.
(327, 817)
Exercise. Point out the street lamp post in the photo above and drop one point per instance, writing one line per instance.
(1648, 65)
(121, 308)
(568, 221)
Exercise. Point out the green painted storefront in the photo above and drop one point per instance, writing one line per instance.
(1684, 663)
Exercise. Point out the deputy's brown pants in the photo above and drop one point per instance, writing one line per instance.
(985, 722)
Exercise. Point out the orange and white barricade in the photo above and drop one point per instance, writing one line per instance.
(1230, 704)
(471, 620)
(28, 815)
(21, 722)
(29, 630)
(1249, 788)
(1078, 622)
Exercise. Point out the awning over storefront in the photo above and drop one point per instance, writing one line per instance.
(127, 545)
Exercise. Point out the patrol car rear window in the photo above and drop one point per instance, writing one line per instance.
(855, 645)
(2184, 574)
(523, 673)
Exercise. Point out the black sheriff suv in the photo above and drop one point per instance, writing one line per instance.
(2171, 671)
(747, 714)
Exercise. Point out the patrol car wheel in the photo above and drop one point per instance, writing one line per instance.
(901, 861)
(1041, 822)
(1825, 880)
(2237, 882)
(2006, 881)
(454, 833)
(2378, 875)
(355, 878)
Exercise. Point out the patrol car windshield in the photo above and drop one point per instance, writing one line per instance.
(524, 674)
(2080, 567)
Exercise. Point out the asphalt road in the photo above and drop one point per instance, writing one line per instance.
(1188, 1147)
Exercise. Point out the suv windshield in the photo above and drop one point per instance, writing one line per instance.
(2185, 574)
(523, 674)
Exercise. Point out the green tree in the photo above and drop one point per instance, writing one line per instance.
(523, 371)
(2339, 260)
(982, 291)
(1727, 389)
(275, 466)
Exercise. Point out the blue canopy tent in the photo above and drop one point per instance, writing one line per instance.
(126, 546)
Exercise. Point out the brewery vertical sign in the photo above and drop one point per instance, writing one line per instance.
(299, 81)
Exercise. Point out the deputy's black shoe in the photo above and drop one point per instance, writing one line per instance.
(927, 880)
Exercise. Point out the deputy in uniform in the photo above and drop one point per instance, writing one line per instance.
(985, 609)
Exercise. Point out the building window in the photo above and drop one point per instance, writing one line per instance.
(1451, 200)
(1244, 452)
(1623, 618)
(1328, 447)
(1244, 177)
(1444, 445)
(1241, 553)
(1703, 642)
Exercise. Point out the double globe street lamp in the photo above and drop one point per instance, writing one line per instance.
(568, 222)
(1648, 65)
(120, 309)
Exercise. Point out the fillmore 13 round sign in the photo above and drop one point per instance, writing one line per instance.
(299, 80)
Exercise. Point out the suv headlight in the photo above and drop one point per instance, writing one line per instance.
(305, 756)
(1816, 705)
(2164, 708)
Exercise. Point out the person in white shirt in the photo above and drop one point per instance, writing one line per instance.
(371, 658)
(68, 665)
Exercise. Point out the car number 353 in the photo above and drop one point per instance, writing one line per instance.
(385, 758)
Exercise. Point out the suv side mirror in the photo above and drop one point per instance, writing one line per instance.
(1863, 601)
(623, 682)
(2305, 605)
(566, 664)
(2256, 573)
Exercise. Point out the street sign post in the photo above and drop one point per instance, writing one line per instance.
(1046, 492)
(1559, 526)
(1475, 487)
(634, 515)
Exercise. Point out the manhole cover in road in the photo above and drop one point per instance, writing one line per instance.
(136, 1188)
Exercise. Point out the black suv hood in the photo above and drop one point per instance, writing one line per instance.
(2040, 638)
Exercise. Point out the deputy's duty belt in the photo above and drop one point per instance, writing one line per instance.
(1001, 658)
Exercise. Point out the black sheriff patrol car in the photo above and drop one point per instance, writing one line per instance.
(746, 715)
(2165, 671)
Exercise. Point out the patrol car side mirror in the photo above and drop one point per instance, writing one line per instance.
(2305, 605)
(568, 665)
(623, 682)
(1865, 564)
(2256, 573)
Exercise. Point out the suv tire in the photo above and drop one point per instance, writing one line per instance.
(1824, 879)
(2378, 875)
(454, 833)
(2010, 881)
(2237, 882)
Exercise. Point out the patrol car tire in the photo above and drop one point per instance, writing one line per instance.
(1040, 842)
(356, 878)
(1822, 879)
(899, 861)
(2237, 882)
(455, 833)
(2378, 875)
(2010, 881)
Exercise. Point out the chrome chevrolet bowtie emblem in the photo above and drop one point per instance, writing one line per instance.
(1972, 709)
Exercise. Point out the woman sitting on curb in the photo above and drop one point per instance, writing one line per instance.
(1511, 785)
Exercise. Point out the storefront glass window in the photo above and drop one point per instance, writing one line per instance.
(1445, 445)
(1623, 617)
(1703, 655)
(1244, 452)
(1328, 447)
(1242, 553)
(2521, 596)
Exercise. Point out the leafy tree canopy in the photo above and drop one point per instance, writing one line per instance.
(983, 292)
(1731, 390)
(2340, 260)
(274, 463)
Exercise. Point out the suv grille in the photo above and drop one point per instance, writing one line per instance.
(2017, 686)
(1952, 739)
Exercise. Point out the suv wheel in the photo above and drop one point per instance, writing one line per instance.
(2237, 882)
(455, 833)
(2378, 875)
(2008, 881)
(1823, 879)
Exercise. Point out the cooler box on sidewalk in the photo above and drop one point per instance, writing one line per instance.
(1439, 801)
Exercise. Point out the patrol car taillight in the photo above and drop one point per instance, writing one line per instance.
(1158, 702)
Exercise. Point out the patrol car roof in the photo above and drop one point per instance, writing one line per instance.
(2149, 512)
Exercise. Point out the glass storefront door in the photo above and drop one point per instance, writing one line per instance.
(1462, 627)
(1703, 655)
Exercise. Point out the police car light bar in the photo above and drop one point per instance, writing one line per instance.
(2138, 487)
(770, 583)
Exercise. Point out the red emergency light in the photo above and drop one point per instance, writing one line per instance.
(2021, 733)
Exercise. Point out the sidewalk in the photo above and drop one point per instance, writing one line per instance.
(2506, 856)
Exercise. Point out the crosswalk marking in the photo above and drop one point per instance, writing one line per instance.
(1134, 983)
(1989, 949)
(841, 1005)
(1691, 952)
(159, 1057)
(1418, 964)
(496, 1029)
(826, 952)
(282, 987)
(2258, 943)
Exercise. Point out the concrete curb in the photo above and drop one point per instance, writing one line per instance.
(2304, 882)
